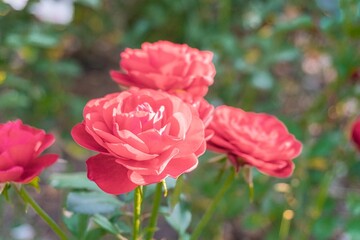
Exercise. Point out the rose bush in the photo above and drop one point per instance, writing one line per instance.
(20, 149)
(167, 66)
(355, 133)
(142, 136)
(255, 139)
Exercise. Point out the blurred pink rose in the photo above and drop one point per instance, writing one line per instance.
(143, 136)
(20, 147)
(355, 133)
(255, 139)
(167, 66)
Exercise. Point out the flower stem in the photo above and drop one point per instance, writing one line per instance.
(210, 210)
(25, 196)
(137, 213)
(154, 213)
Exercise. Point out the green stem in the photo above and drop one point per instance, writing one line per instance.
(137, 212)
(52, 224)
(154, 213)
(210, 211)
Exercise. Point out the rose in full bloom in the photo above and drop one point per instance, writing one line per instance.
(256, 139)
(142, 136)
(20, 149)
(355, 133)
(167, 66)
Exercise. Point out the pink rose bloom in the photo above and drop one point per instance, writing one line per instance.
(20, 147)
(143, 136)
(167, 66)
(355, 133)
(255, 139)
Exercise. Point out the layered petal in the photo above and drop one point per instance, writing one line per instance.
(110, 176)
(167, 66)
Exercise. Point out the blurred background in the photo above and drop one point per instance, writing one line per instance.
(298, 60)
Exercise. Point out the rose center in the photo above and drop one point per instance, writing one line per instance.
(149, 118)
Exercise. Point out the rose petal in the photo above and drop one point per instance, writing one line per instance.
(110, 176)
(11, 174)
(124, 150)
(154, 166)
(83, 138)
(35, 167)
(175, 168)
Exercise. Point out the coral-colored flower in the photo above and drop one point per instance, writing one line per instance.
(143, 136)
(20, 149)
(167, 66)
(355, 133)
(255, 139)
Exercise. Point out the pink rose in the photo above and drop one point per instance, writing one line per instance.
(256, 139)
(167, 66)
(143, 136)
(355, 133)
(20, 147)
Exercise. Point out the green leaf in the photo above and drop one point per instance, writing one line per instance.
(353, 203)
(95, 234)
(13, 99)
(17, 82)
(14, 40)
(262, 80)
(352, 228)
(105, 224)
(295, 24)
(95, 4)
(286, 55)
(179, 218)
(4, 9)
(76, 223)
(41, 39)
(326, 143)
(78, 181)
(92, 202)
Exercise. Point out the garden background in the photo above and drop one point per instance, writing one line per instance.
(298, 60)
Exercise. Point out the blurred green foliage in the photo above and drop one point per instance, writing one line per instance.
(298, 60)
